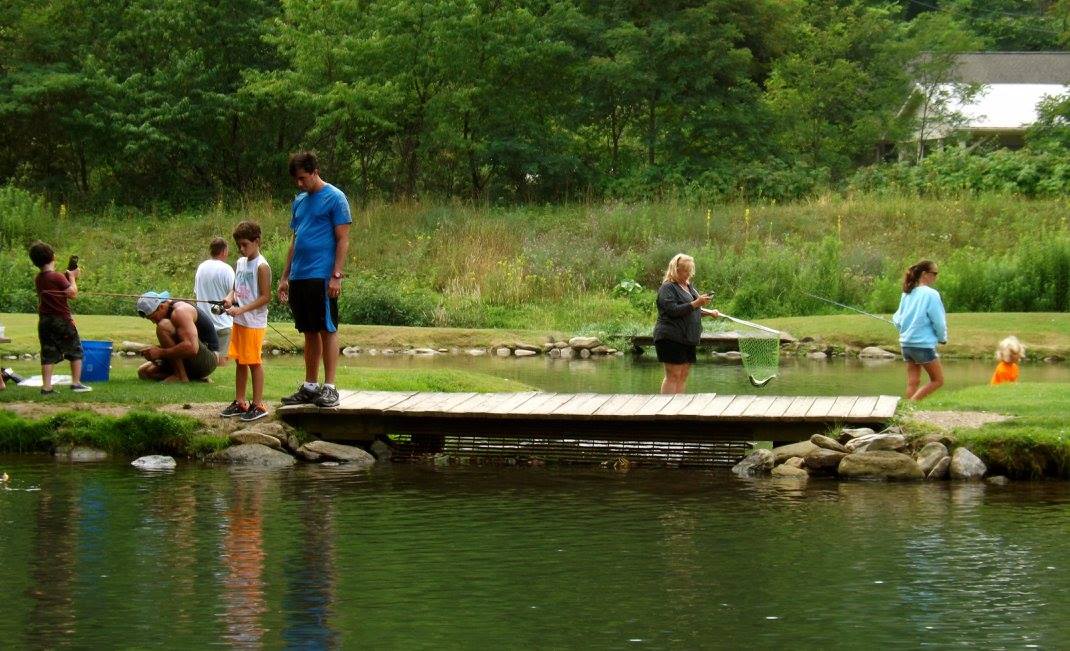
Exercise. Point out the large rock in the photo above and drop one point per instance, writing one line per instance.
(939, 471)
(524, 352)
(887, 442)
(785, 452)
(966, 465)
(849, 433)
(784, 470)
(758, 462)
(249, 436)
(823, 459)
(252, 454)
(795, 462)
(154, 462)
(532, 347)
(943, 438)
(873, 352)
(476, 352)
(929, 456)
(338, 452)
(584, 342)
(822, 441)
(503, 352)
(80, 454)
(883, 464)
(382, 450)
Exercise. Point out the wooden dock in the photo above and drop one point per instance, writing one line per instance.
(364, 415)
(719, 341)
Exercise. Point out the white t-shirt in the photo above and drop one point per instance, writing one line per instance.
(247, 289)
(212, 283)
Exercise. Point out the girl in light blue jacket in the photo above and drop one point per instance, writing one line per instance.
(922, 324)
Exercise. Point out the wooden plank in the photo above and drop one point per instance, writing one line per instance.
(820, 408)
(510, 405)
(616, 404)
(533, 404)
(442, 407)
(679, 401)
(635, 404)
(717, 406)
(466, 406)
(415, 402)
(842, 407)
(653, 406)
(481, 403)
(885, 407)
(697, 405)
(549, 405)
(779, 406)
(586, 408)
(738, 406)
(757, 408)
(566, 408)
(799, 406)
(376, 400)
(863, 407)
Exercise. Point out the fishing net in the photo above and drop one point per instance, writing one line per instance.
(761, 355)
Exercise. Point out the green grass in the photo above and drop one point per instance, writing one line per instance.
(554, 268)
(136, 433)
(1036, 443)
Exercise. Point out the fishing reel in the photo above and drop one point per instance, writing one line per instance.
(218, 309)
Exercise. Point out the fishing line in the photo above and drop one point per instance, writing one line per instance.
(847, 307)
(217, 306)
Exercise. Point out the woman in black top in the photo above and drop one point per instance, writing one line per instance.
(679, 326)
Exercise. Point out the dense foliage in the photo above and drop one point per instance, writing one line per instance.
(177, 103)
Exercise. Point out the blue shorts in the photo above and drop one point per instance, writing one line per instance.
(919, 355)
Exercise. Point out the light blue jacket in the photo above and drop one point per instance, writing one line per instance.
(920, 318)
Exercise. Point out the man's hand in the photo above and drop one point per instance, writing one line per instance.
(152, 353)
(233, 311)
(284, 291)
(334, 287)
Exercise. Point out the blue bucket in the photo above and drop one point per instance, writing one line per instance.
(96, 361)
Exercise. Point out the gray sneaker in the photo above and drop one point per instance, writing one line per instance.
(328, 397)
(303, 396)
(81, 388)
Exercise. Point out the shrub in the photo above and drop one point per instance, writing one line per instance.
(375, 301)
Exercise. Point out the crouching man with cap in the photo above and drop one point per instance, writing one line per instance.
(188, 342)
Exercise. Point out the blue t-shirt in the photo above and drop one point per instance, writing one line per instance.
(920, 318)
(313, 219)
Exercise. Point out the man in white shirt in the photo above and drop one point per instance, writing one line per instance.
(213, 282)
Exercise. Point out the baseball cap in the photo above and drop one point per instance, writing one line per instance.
(150, 301)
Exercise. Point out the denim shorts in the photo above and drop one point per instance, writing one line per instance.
(919, 355)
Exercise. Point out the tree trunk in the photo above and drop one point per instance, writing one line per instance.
(651, 129)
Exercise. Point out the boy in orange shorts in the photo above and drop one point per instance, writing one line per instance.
(248, 304)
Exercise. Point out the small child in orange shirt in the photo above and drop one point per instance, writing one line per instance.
(1009, 353)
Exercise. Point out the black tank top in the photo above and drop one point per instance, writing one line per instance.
(205, 328)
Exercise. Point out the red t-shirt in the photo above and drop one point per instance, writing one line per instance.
(52, 292)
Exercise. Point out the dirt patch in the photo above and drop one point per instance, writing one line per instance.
(208, 414)
(36, 410)
(952, 419)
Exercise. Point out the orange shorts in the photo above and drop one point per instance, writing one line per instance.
(245, 345)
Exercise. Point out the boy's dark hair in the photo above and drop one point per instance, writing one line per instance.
(303, 161)
(217, 246)
(41, 254)
(247, 231)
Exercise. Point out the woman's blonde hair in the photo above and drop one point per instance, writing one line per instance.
(1010, 350)
(672, 273)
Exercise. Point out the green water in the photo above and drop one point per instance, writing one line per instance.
(404, 556)
(412, 557)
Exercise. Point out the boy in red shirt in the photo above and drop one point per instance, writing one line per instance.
(55, 325)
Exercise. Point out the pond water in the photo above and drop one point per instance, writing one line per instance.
(409, 556)
(415, 557)
(643, 374)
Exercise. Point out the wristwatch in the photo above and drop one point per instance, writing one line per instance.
(338, 274)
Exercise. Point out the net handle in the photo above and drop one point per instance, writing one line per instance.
(746, 323)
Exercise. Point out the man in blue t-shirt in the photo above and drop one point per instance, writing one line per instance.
(312, 278)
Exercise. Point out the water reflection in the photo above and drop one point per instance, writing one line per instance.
(411, 556)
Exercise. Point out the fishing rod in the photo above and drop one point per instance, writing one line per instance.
(847, 307)
(217, 306)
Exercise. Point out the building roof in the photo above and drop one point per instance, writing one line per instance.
(1005, 106)
(1014, 67)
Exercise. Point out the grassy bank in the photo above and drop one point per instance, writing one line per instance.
(1035, 443)
(972, 335)
(562, 267)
